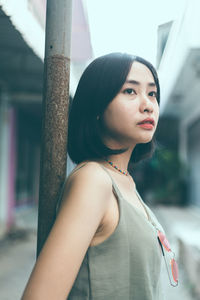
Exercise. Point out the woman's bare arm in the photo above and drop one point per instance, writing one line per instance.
(84, 204)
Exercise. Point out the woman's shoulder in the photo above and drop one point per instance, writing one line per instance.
(89, 169)
(86, 175)
(89, 179)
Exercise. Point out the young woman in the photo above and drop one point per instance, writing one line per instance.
(106, 243)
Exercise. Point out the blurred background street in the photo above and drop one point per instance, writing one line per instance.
(167, 33)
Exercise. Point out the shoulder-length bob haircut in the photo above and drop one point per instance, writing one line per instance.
(99, 84)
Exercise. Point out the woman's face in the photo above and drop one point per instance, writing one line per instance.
(135, 102)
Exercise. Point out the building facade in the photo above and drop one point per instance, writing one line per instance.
(22, 43)
(178, 65)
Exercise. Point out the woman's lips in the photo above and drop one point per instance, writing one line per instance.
(146, 125)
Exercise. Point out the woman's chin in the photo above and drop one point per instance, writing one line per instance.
(145, 140)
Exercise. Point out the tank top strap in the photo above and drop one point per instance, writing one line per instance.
(119, 195)
(62, 189)
(113, 182)
(114, 185)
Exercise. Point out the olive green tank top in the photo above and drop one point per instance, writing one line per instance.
(127, 265)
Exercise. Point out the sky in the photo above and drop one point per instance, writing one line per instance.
(129, 25)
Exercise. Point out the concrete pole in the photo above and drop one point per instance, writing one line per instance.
(53, 161)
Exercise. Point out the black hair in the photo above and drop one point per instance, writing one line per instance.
(99, 84)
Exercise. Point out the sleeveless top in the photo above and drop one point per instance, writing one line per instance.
(127, 265)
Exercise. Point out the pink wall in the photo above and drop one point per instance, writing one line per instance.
(11, 166)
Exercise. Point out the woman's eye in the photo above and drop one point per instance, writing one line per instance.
(129, 91)
(153, 92)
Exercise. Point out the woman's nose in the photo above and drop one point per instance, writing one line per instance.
(146, 104)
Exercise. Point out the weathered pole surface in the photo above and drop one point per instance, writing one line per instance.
(53, 162)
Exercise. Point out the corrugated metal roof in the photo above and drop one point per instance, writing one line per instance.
(20, 68)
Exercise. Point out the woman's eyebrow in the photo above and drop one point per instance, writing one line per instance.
(138, 83)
